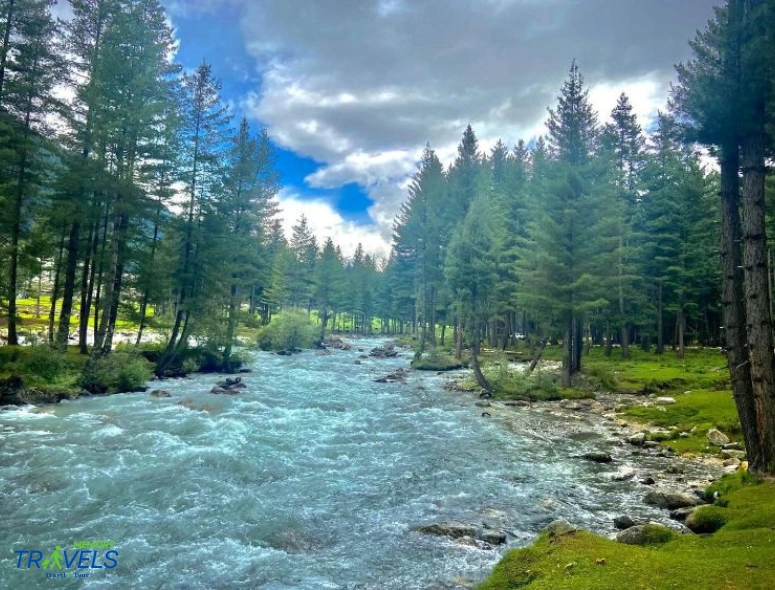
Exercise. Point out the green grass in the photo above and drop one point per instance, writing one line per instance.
(694, 414)
(739, 555)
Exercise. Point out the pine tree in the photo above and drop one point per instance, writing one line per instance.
(244, 209)
(624, 140)
(471, 270)
(564, 257)
(26, 97)
(719, 96)
(305, 250)
(204, 135)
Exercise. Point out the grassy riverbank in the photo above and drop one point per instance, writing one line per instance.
(695, 398)
(39, 374)
(739, 555)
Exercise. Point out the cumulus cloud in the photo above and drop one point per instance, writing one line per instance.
(362, 85)
(325, 222)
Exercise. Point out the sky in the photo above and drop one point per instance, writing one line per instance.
(352, 90)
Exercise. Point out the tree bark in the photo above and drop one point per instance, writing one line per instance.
(756, 288)
(55, 288)
(480, 378)
(732, 299)
(63, 332)
(13, 338)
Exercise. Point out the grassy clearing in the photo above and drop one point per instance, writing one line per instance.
(741, 554)
(690, 418)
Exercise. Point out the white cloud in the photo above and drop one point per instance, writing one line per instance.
(325, 222)
(361, 85)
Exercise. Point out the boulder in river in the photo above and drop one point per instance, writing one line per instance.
(453, 529)
(12, 391)
(558, 528)
(397, 376)
(624, 522)
(493, 536)
(624, 474)
(384, 352)
(221, 391)
(670, 499)
(160, 393)
(228, 386)
(637, 439)
(597, 457)
(681, 514)
(337, 343)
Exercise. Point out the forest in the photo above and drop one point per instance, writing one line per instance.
(127, 190)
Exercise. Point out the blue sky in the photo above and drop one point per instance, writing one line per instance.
(351, 90)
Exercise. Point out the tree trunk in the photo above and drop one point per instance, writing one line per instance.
(624, 330)
(87, 284)
(13, 338)
(567, 356)
(63, 332)
(680, 326)
(231, 326)
(458, 340)
(480, 378)
(660, 321)
(536, 357)
(732, 299)
(756, 287)
(55, 288)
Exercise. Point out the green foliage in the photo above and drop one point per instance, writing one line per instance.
(116, 372)
(36, 363)
(287, 331)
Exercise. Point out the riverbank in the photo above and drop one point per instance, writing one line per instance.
(42, 375)
(672, 434)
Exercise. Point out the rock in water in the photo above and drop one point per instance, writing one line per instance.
(384, 352)
(624, 522)
(624, 474)
(681, 514)
(451, 528)
(717, 438)
(597, 457)
(160, 393)
(397, 376)
(560, 527)
(670, 499)
(493, 536)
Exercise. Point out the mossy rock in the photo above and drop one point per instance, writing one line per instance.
(645, 534)
(707, 519)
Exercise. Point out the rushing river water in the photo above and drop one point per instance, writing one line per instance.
(311, 478)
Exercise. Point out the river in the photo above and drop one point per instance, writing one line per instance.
(311, 478)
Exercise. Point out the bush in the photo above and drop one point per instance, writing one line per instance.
(287, 331)
(117, 372)
(37, 364)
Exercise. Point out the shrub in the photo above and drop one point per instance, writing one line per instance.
(37, 364)
(287, 331)
(116, 373)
